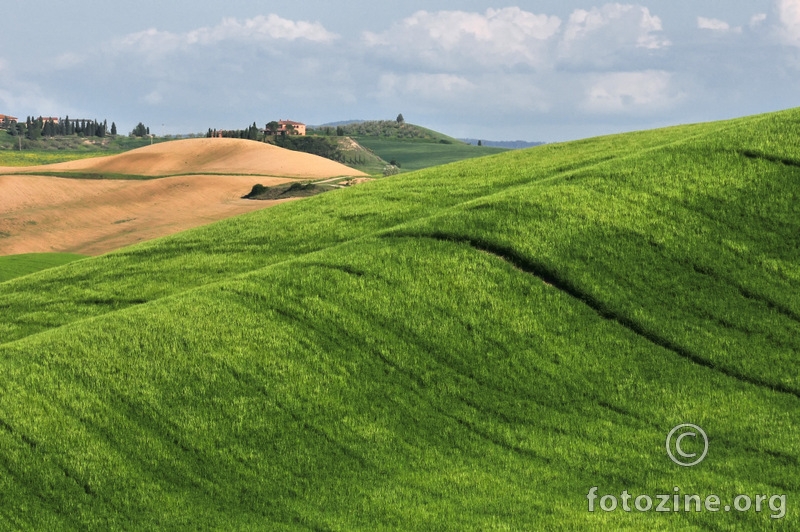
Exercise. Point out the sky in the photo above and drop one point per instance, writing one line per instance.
(548, 70)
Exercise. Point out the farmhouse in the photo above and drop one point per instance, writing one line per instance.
(288, 127)
(6, 121)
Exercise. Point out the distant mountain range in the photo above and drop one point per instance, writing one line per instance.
(510, 144)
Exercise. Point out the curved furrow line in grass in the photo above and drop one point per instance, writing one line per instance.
(747, 293)
(554, 279)
(752, 154)
(771, 304)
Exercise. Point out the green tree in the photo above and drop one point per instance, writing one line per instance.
(34, 129)
(140, 130)
(113, 128)
(273, 127)
(400, 119)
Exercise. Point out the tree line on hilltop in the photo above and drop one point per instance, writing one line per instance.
(315, 145)
(37, 128)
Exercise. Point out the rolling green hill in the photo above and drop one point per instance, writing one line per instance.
(468, 347)
(413, 147)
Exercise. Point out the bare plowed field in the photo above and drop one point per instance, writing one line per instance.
(92, 216)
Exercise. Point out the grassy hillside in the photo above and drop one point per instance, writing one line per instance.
(12, 266)
(414, 147)
(415, 155)
(385, 129)
(469, 347)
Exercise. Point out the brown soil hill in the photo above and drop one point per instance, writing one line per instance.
(203, 156)
(51, 214)
(93, 216)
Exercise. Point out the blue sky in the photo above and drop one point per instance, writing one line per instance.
(539, 70)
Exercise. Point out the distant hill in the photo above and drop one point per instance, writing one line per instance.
(340, 123)
(510, 144)
(386, 129)
(410, 146)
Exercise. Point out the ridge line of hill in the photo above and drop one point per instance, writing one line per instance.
(376, 233)
(561, 173)
(141, 177)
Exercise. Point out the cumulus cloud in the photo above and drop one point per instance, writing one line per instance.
(605, 36)
(714, 24)
(503, 39)
(451, 39)
(789, 15)
(260, 28)
(634, 22)
(631, 92)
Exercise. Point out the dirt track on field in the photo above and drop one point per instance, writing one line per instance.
(94, 216)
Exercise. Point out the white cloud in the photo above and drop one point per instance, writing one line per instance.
(154, 98)
(606, 36)
(260, 28)
(714, 24)
(644, 92)
(67, 61)
(451, 39)
(500, 39)
(630, 23)
(789, 15)
(757, 19)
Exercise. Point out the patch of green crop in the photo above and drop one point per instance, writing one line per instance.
(468, 347)
(12, 266)
(35, 158)
(415, 155)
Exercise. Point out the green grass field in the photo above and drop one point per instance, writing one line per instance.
(467, 347)
(416, 155)
(38, 157)
(12, 266)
